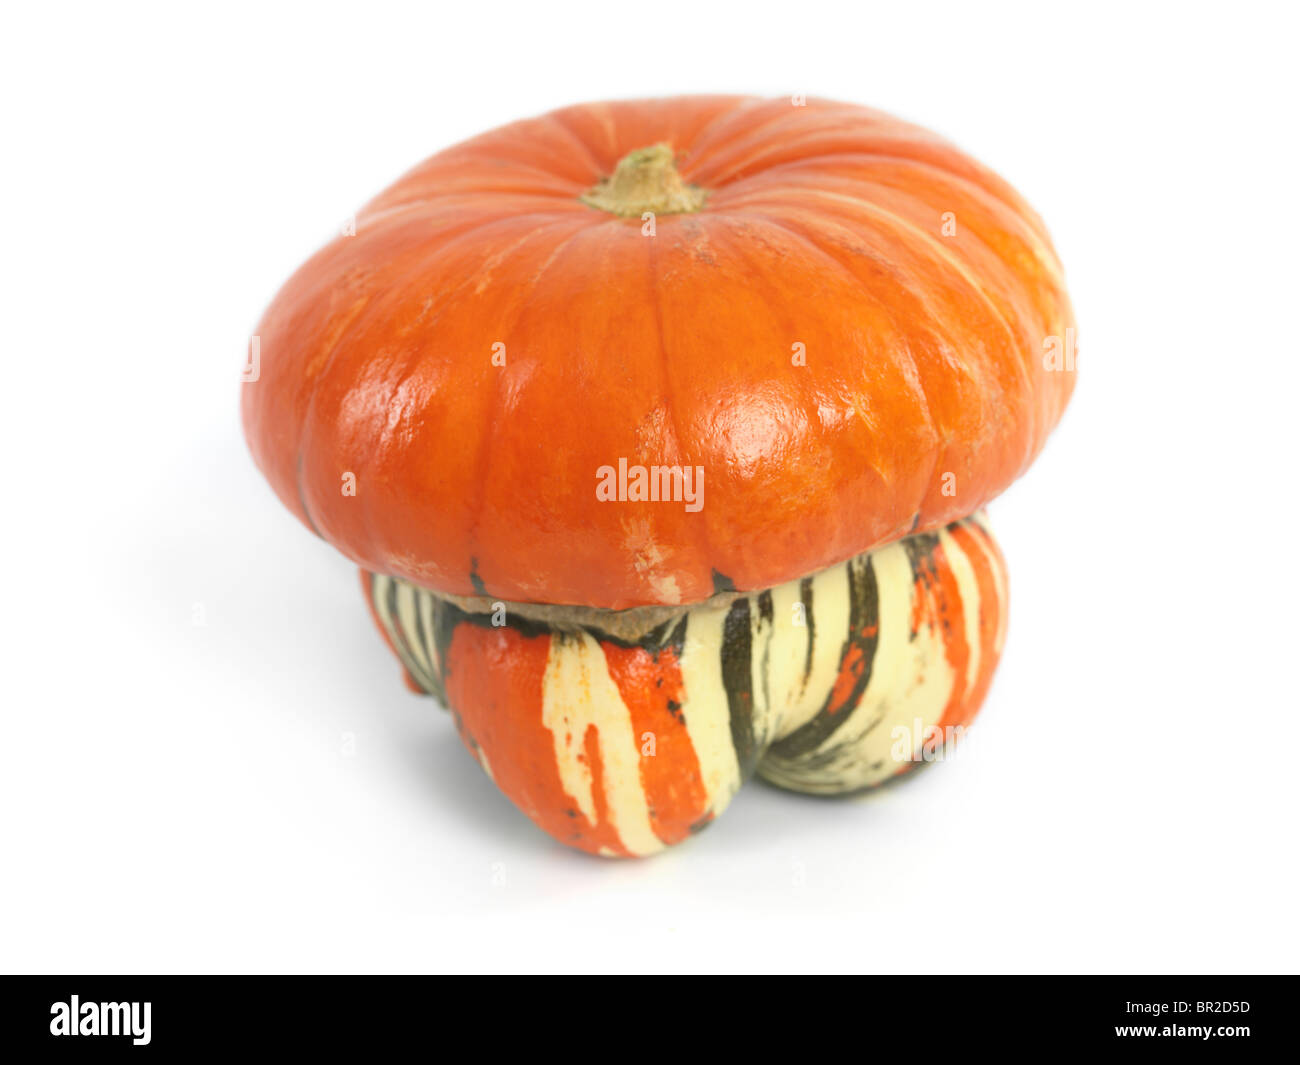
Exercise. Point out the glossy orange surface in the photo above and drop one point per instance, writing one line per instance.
(848, 338)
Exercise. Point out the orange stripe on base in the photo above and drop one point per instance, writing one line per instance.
(651, 686)
(852, 667)
(984, 555)
(938, 605)
(495, 679)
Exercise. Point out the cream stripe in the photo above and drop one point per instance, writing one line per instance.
(578, 693)
(830, 608)
(704, 706)
(563, 696)
(379, 596)
(895, 650)
(431, 646)
(789, 651)
(768, 641)
(406, 608)
(912, 688)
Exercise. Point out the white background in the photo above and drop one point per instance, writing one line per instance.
(179, 796)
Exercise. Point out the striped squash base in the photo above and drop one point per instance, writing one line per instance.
(623, 732)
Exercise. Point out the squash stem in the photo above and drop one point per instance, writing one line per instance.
(645, 180)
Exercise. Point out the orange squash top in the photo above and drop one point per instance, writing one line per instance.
(807, 329)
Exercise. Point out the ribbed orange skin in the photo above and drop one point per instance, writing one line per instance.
(823, 227)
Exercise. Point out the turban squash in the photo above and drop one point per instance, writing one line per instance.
(661, 432)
